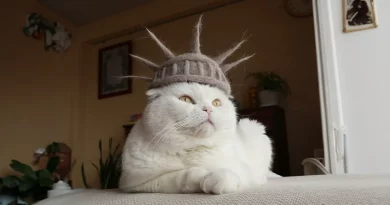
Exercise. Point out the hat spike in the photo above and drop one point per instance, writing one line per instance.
(196, 46)
(219, 59)
(149, 79)
(166, 51)
(225, 68)
(150, 64)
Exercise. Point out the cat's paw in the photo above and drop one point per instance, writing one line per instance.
(190, 181)
(221, 181)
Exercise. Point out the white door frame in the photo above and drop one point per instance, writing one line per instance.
(328, 78)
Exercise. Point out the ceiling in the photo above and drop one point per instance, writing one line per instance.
(81, 12)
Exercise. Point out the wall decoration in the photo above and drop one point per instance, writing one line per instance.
(359, 15)
(115, 61)
(55, 35)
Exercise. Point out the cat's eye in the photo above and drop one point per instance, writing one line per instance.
(186, 98)
(216, 103)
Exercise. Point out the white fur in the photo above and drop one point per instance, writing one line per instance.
(174, 149)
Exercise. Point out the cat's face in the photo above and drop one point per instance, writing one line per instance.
(190, 109)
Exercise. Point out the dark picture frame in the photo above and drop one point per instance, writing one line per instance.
(115, 61)
(359, 15)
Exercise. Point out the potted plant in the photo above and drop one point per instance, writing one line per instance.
(109, 169)
(27, 183)
(270, 87)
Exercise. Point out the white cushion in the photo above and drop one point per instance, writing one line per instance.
(321, 189)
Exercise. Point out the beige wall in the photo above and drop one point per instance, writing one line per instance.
(141, 16)
(49, 96)
(38, 102)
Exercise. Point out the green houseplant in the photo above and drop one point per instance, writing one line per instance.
(109, 169)
(270, 87)
(27, 182)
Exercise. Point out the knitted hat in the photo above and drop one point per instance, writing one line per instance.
(191, 67)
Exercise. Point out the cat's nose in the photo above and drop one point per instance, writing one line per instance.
(207, 109)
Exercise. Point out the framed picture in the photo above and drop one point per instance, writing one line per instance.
(359, 15)
(115, 61)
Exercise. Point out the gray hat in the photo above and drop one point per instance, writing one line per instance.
(191, 67)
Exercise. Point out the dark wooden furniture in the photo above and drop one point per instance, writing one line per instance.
(273, 118)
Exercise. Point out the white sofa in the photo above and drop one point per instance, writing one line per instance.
(313, 190)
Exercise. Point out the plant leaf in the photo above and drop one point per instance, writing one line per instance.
(49, 148)
(109, 145)
(26, 185)
(11, 181)
(1, 184)
(270, 81)
(45, 178)
(97, 169)
(83, 176)
(115, 150)
(52, 164)
(107, 168)
(23, 168)
(98, 172)
(53, 148)
(108, 159)
(107, 180)
(100, 148)
(102, 168)
(56, 147)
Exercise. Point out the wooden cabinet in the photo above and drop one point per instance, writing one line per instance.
(273, 118)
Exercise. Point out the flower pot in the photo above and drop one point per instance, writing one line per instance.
(269, 98)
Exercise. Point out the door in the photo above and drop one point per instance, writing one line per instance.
(328, 78)
(354, 70)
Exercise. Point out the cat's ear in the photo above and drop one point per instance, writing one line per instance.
(152, 94)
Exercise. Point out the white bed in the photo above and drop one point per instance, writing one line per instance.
(320, 189)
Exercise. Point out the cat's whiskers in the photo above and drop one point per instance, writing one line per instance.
(180, 124)
(163, 137)
(175, 127)
(167, 129)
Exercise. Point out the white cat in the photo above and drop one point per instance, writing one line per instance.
(188, 140)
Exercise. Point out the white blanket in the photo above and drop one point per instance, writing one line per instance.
(313, 190)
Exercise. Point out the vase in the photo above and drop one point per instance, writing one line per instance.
(269, 98)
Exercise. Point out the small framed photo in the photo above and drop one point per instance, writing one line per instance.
(115, 61)
(359, 15)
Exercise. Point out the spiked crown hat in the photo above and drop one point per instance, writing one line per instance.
(191, 67)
